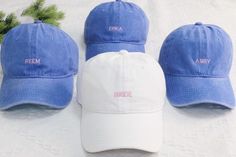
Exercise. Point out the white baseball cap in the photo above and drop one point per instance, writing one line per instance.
(122, 95)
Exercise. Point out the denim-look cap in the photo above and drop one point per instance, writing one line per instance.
(196, 60)
(38, 61)
(115, 26)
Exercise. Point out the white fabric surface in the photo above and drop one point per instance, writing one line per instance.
(195, 132)
(133, 121)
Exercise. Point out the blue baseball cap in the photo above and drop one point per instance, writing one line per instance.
(196, 60)
(115, 26)
(38, 61)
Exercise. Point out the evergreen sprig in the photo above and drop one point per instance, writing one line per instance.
(7, 23)
(49, 14)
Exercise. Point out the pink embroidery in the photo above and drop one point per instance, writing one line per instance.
(32, 61)
(115, 29)
(122, 94)
(202, 61)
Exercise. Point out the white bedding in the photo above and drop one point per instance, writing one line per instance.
(190, 132)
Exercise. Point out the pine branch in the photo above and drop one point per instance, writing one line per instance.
(2, 15)
(49, 14)
(33, 9)
(2, 27)
(6, 24)
(52, 22)
(11, 21)
(1, 37)
(38, 5)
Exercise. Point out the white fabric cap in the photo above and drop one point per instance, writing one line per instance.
(122, 95)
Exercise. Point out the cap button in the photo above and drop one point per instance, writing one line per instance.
(198, 23)
(37, 21)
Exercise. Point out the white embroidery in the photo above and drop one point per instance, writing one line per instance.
(115, 29)
(32, 61)
(202, 61)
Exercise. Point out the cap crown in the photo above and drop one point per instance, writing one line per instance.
(38, 50)
(120, 82)
(116, 22)
(197, 50)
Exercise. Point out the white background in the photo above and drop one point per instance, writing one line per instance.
(190, 132)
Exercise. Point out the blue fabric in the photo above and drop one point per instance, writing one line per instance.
(37, 52)
(114, 23)
(198, 57)
(184, 91)
(53, 93)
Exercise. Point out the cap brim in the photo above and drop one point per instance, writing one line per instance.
(185, 91)
(102, 132)
(95, 49)
(53, 93)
